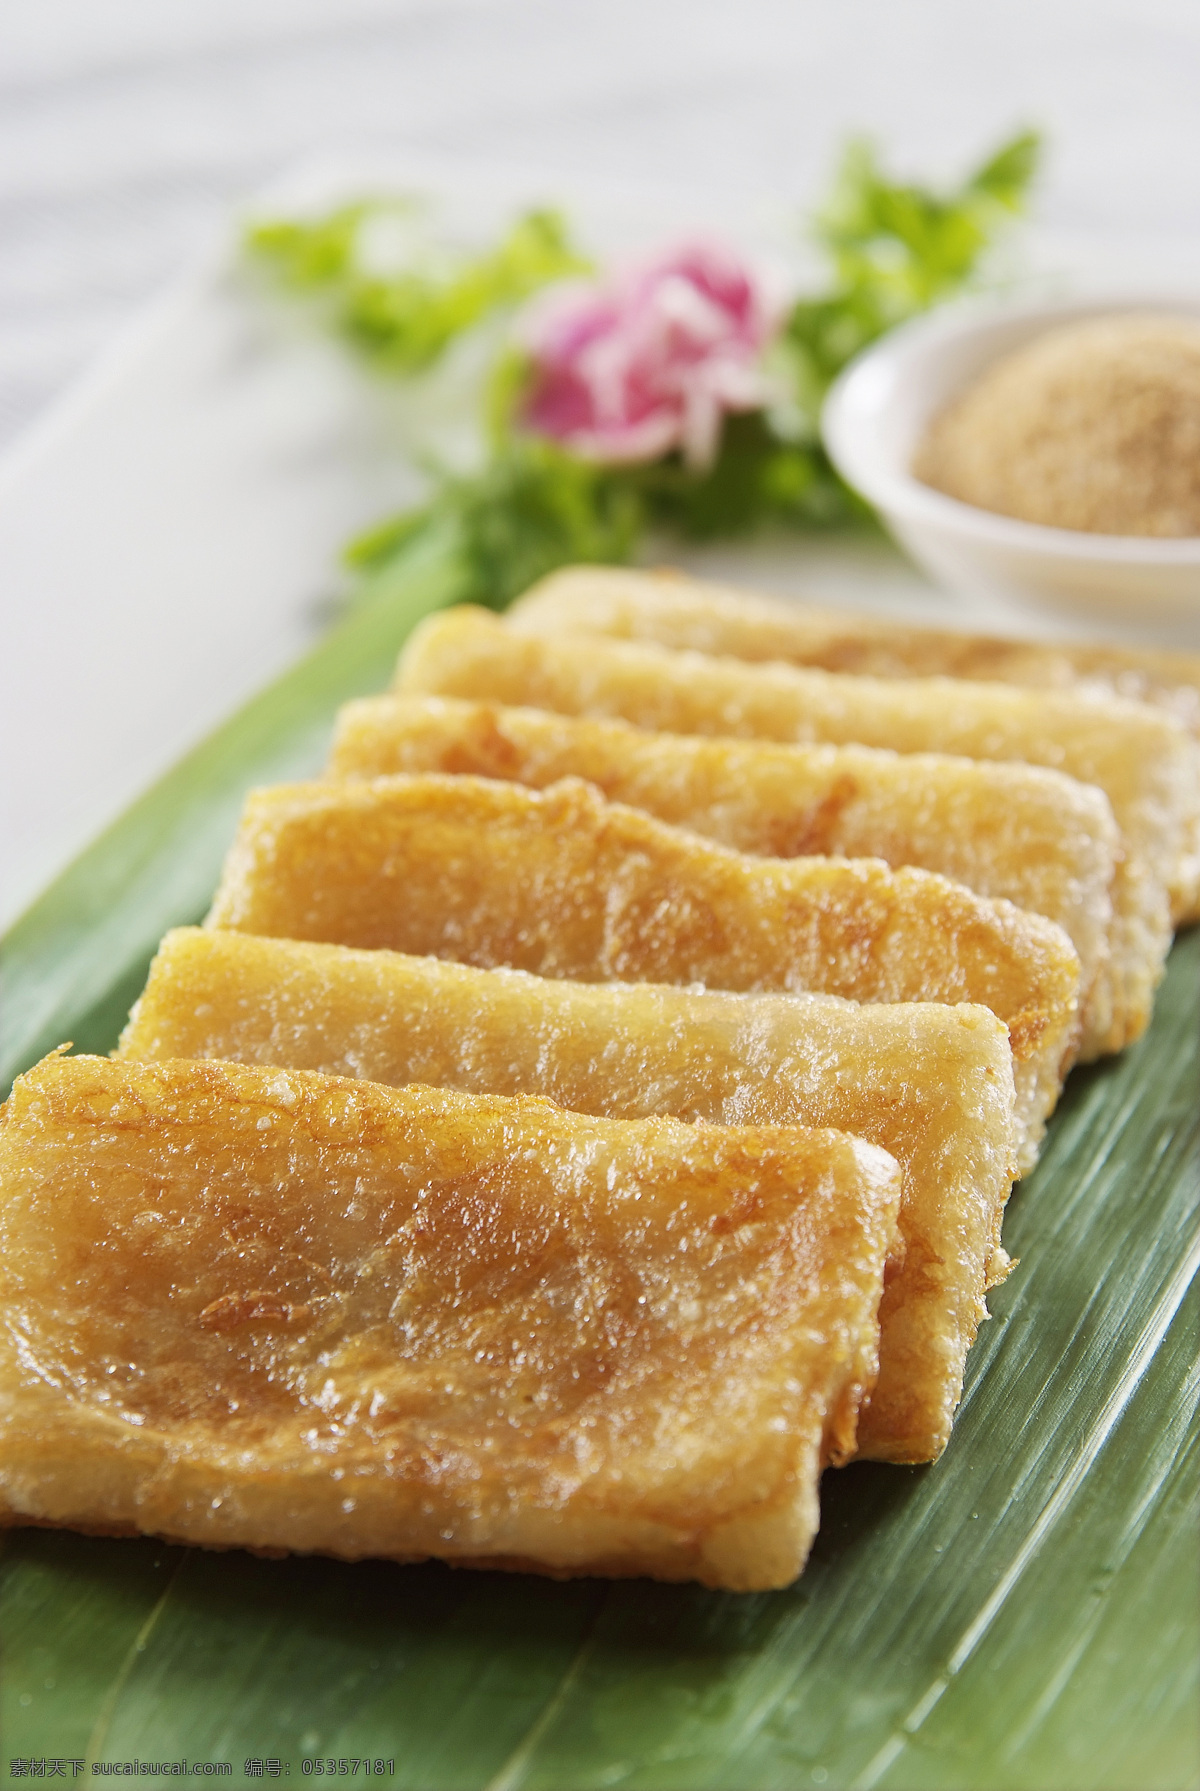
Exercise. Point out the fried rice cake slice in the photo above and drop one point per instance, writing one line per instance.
(1017, 832)
(1138, 756)
(256, 1307)
(562, 883)
(931, 1085)
(672, 610)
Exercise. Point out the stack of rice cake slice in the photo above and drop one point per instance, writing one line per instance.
(670, 610)
(329, 1009)
(1010, 832)
(88, 1164)
(1142, 758)
(564, 884)
(930, 1084)
(567, 885)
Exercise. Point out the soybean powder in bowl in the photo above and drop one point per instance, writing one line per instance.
(1095, 426)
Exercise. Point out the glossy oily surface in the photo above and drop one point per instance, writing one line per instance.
(930, 1084)
(1016, 832)
(1022, 1615)
(672, 611)
(317, 1314)
(1143, 761)
(564, 884)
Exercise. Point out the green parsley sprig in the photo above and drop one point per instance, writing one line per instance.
(405, 319)
(894, 250)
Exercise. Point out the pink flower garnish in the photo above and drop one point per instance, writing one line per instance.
(649, 360)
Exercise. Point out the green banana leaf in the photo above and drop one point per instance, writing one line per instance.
(1025, 1613)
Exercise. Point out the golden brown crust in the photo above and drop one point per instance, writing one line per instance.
(932, 1085)
(585, 1344)
(1141, 759)
(562, 883)
(1010, 831)
(670, 610)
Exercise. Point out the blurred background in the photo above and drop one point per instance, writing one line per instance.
(128, 127)
(170, 522)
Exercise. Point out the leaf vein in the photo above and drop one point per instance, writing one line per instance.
(103, 1723)
(1151, 1337)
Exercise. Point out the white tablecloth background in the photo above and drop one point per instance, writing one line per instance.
(128, 128)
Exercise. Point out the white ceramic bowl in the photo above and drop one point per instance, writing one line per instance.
(875, 415)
